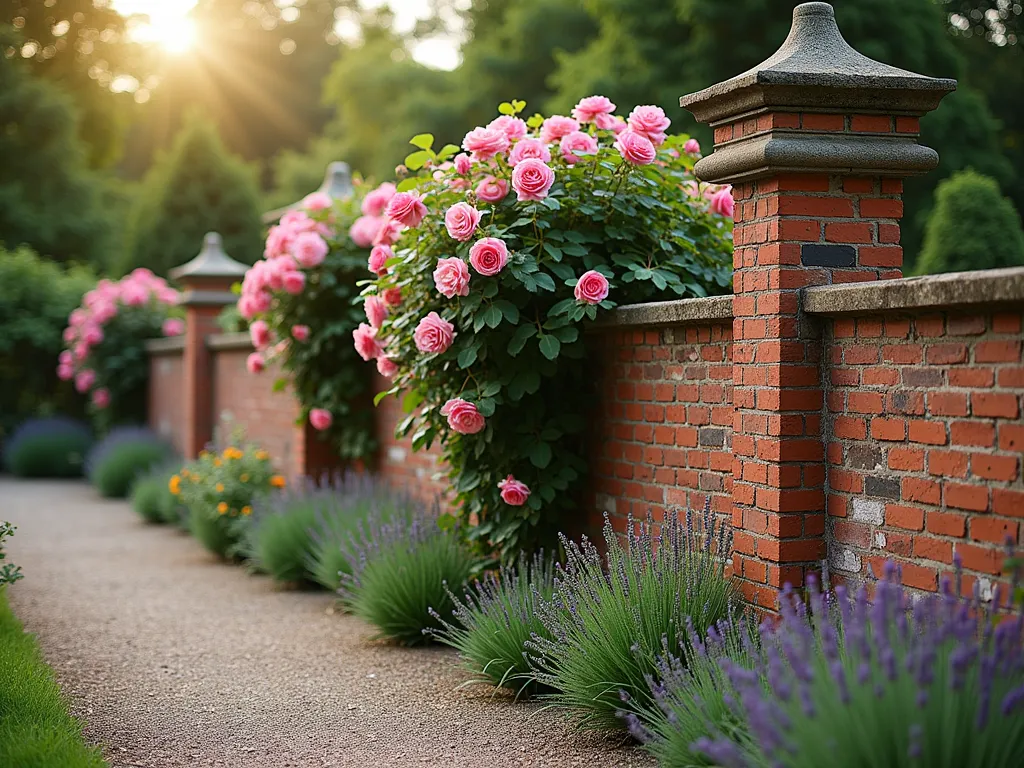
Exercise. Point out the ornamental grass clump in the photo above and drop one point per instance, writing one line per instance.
(402, 569)
(218, 489)
(934, 681)
(126, 453)
(493, 262)
(298, 300)
(610, 619)
(152, 498)
(495, 618)
(49, 447)
(341, 503)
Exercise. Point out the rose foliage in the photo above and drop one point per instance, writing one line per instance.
(105, 339)
(506, 252)
(299, 299)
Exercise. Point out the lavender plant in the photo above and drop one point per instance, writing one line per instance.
(934, 682)
(495, 618)
(340, 504)
(401, 571)
(119, 458)
(608, 625)
(48, 447)
(151, 495)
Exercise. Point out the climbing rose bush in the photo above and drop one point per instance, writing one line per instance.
(105, 339)
(504, 252)
(299, 303)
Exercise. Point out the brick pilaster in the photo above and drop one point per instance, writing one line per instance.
(815, 142)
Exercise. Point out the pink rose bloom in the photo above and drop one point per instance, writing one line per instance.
(317, 201)
(309, 250)
(458, 184)
(513, 492)
(80, 351)
(388, 233)
(463, 164)
(488, 256)
(386, 367)
(650, 121)
(485, 143)
(634, 148)
(134, 295)
(107, 310)
(610, 123)
(246, 308)
(378, 258)
(64, 358)
(366, 343)
(320, 418)
(376, 310)
(392, 296)
(300, 332)
(255, 363)
(692, 147)
(513, 127)
(78, 317)
(70, 334)
(492, 190)
(377, 200)
(589, 108)
(84, 380)
(532, 179)
(577, 141)
(92, 335)
(592, 288)
(463, 416)
(406, 208)
(101, 397)
(293, 282)
(557, 126)
(722, 202)
(461, 221)
(451, 277)
(173, 326)
(365, 229)
(433, 334)
(526, 148)
(65, 372)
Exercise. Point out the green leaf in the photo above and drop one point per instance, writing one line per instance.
(551, 203)
(492, 316)
(562, 270)
(553, 251)
(506, 109)
(379, 396)
(490, 389)
(540, 455)
(518, 105)
(411, 400)
(508, 309)
(467, 357)
(422, 140)
(536, 121)
(520, 337)
(550, 346)
(406, 184)
(568, 335)
(416, 160)
(447, 151)
(544, 281)
(486, 406)
(523, 382)
(280, 385)
(446, 521)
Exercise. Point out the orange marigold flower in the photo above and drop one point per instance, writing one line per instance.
(219, 487)
(246, 510)
(174, 485)
(222, 507)
(244, 477)
(277, 481)
(262, 455)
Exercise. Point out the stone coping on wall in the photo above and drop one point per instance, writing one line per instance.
(172, 345)
(229, 341)
(712, 309)
(931, 292)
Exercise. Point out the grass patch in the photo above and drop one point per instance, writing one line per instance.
(36, 730)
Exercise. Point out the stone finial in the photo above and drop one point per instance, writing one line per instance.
(211, 263)
(816, 71)
(337, 184)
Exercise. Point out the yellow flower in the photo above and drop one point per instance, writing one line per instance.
(244, 477)
(222, 507)
(277, 481)
(174, 485)
(246, 510)
(262, 455)
(204, 454)
(219, 487)
(216, 461)
(232, 453)
(184, 472)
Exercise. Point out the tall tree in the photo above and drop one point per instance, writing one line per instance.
(195, 188)
(48, 198)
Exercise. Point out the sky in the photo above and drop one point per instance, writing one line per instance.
(169, 26)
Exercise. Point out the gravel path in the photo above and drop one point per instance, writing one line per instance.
(174, 659)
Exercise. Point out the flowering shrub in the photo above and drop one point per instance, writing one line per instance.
(48, 447)
(219, 488)
(931, 681)
(104, 352)
(152, 498)
(504, 252)
(299, 301)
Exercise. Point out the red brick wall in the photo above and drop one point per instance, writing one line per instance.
(924, 438)
(663, 433)
(166, 404)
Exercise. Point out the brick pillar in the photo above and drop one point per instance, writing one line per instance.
(206, 281)
(815, 141)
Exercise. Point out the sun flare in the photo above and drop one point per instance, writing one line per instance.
(174, 35)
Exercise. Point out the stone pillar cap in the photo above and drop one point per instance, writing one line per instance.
(211, 263)
(337, 185)
(817, 70)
